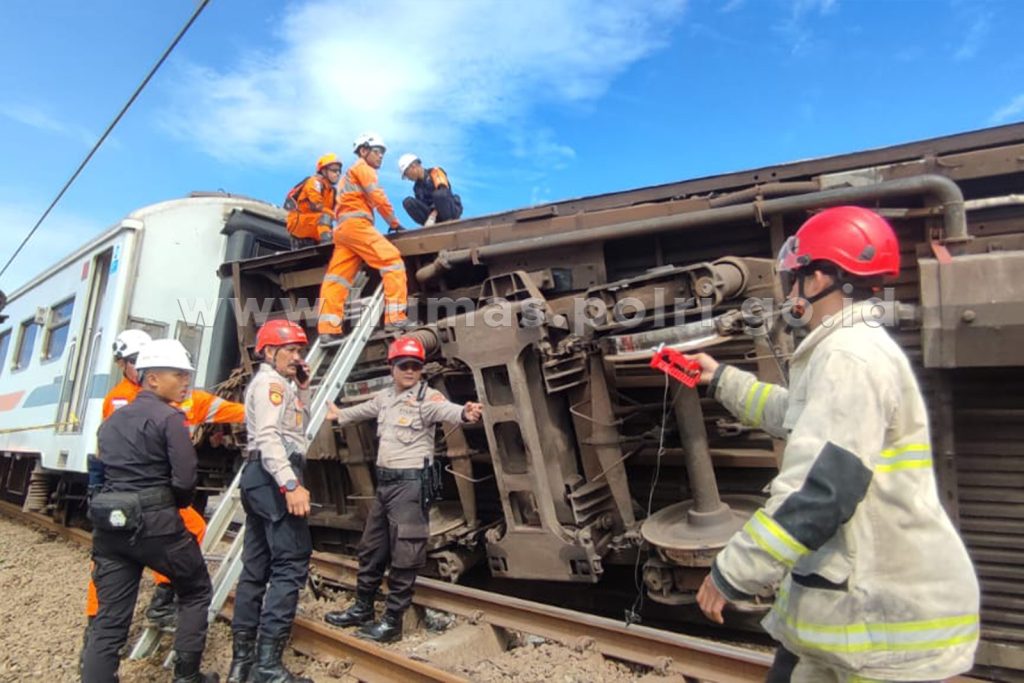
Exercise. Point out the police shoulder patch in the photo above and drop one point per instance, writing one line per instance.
(437, 397)
(276, 393)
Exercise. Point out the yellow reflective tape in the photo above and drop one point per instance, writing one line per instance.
(778, 532)
(762, 402)
(910, 447)
(749, 400)
(767, 547)
(905, 465)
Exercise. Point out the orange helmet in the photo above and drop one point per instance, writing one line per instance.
(406, 347)
(280, 333)
(327, 160)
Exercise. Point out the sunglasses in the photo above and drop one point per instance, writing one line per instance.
(378, 150)
(409, 365)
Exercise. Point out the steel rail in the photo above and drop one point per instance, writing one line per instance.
(661, 650)
(369, 662)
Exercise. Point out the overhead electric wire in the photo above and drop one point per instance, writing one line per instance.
(131, 100)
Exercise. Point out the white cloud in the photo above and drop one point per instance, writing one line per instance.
(35, 117)
(57, 237)
(420, 75)
(974, 38)
(1009, 111)
(795, 26)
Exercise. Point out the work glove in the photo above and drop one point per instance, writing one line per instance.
(326, 237)
(395, 229)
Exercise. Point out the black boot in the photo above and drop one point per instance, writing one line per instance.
(243, 656)
(186, 669)
(360, 612)
(387, 630)
(162, 610)
(269, 668)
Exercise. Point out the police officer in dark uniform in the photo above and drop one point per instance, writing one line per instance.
(149, 473)
(278, 546)
(397, 528)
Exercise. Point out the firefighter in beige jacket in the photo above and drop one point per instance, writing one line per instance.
(870, 578)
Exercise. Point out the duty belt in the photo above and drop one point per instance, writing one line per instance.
(387, 474)
(157, 497)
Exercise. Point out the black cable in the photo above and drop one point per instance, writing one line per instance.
(152, 72)
(633, 613)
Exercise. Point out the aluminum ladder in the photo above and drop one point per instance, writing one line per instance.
(329, 368)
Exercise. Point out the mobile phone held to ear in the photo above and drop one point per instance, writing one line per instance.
(301, 373)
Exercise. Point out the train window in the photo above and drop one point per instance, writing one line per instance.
(57, 329)
(5, 343)
(154, 328)
(191, 337)
(26, 342)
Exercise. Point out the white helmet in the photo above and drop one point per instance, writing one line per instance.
(405, 161)
(370, 140)
(164, 353)
(129, 343)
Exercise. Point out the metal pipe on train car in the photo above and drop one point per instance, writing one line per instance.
(700, 473)
(942, 188)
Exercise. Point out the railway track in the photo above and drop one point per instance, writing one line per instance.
(667, 652)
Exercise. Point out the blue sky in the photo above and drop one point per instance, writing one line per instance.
(522, 101)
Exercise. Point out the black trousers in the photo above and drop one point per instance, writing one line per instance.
(117, 568)
(448, 205)
(275, 559)
(396, 533)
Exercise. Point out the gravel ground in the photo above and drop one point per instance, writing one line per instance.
(43, 580)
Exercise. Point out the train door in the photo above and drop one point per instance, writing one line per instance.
(76, 388)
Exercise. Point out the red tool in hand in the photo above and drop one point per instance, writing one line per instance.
(676, 365)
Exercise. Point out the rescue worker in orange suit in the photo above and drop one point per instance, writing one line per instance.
(397, 528)
(871, 581)
(433, 200)
(277, 544)
(356, 241)
(310, 204)
(199, 407)
(149, 473)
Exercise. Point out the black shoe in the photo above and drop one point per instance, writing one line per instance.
(360, 612)
(243, 655)
(162, 611)
(269, 668)
(401, 326)
(186, 669)
(387, 630)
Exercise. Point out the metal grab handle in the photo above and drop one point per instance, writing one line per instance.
(449, 470)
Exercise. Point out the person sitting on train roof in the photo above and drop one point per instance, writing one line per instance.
(433, 200)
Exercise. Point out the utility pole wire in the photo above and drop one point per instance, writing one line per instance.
(152, 72)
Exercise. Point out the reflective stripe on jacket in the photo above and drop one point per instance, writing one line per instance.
(868, 572)
(361, 194)
(313, 212)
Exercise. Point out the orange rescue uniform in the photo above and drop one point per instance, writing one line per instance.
(356, 241)
(311, 210)
(199, 407)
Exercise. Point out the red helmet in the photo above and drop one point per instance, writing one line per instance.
(280, 333)
(406, 347)
(856, 240)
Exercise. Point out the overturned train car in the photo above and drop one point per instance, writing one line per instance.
(588, 459)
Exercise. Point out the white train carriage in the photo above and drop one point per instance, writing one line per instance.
(155, 270)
